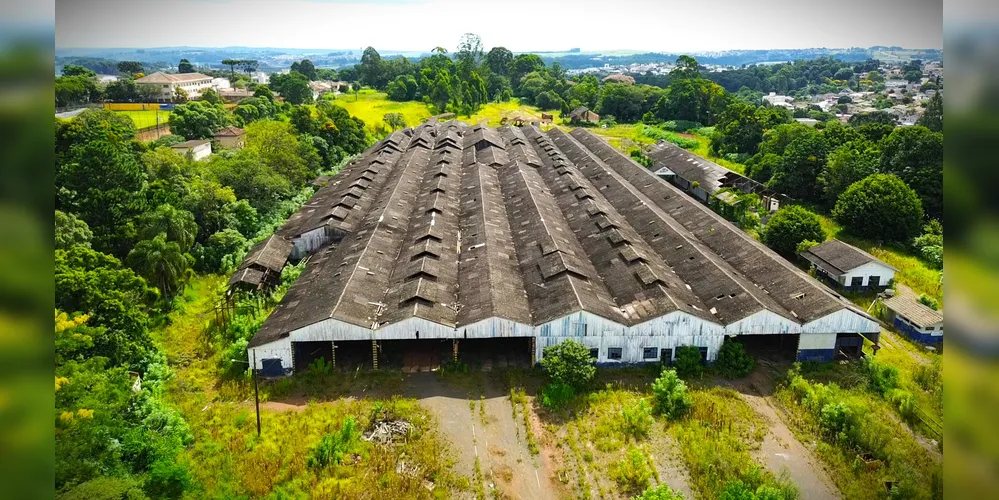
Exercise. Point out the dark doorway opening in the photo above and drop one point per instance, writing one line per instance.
(353, 354)
(774, 348)
(851, 345)
(306, 353)
(499, 352)
(414, 355)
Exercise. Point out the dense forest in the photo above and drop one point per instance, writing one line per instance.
(134, 222)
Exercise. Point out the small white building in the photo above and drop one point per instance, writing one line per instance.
(198, 149)
(260, 78)
(221, 83)
(167, 83)
(779, 100)
(849, 266)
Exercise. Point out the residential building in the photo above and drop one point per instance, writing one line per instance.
(849, 266)
(583, 114)
(231, 137)
(779, 100)
(472, 243)
(167, 83)
(913, 318)
(197, 149)
(260, 78)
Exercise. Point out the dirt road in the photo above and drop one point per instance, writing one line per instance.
(499, 444)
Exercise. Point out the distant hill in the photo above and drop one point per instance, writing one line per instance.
(272, 59)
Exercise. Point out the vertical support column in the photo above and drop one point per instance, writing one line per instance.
(374, 354)
(534, 350)
(333, 351)
(454, 349)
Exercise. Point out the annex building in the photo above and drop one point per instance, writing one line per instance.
(480, 243)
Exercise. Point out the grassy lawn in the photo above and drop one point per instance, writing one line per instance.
(371, 106)
(146, 118)
(229, 460)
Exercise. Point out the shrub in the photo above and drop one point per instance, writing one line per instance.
(557, 395)
(733, 362)
(661, 492)
(680, 125)
(637, 419)
(632, 473)
(670, 395)
(332, 448)
(569, 362)
(688, 361)
(929, 302)
(106, 488)
(904, 402)
(835, 420)
(881, 378)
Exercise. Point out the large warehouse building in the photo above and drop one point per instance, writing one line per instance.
(453, 240)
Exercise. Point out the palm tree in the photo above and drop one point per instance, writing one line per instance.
(161, 262)
(178, 225)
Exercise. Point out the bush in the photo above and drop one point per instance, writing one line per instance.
(632, 473)
(733, 362)
(637, 419)
(836, 420)
(881, 378)
(557, 395)
(106, 488)
(333, 448)
(569, 362)
(661, 492)
(789, 227)
(680, 125)
(904, 402)
(688, 361)
(670, 395)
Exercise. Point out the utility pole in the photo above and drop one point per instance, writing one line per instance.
(256, 392)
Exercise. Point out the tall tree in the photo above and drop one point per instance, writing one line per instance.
(686, 67)
(178, 226)
(498, 59)
(232, 67)
(933, 114)
(161, 263)
(880, 207)
(185, 66)
(915, 155)
(198, 120)
(469, 53)
(847, 164)
(370, 71)
(130, 68)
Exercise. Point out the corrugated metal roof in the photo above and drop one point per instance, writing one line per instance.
(445, 232)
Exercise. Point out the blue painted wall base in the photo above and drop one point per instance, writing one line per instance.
(918, 336)
(820, 355)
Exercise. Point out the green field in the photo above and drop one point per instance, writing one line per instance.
(371, 106)
(147, 118)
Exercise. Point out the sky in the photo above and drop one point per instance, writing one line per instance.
(519, 25)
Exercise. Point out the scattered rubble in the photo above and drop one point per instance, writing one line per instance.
(385, 431)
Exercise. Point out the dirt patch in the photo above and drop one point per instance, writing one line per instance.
(507, 465)
(782, 453)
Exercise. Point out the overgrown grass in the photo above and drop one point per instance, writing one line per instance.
(625, 137)
(227, 458)
(920, 374)
(493, 113)
(715, 440)
(849, 423)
